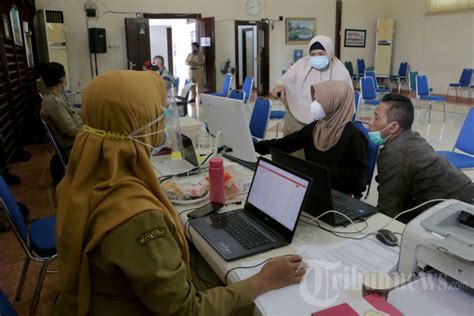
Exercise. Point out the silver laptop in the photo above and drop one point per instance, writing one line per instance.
(178, 166)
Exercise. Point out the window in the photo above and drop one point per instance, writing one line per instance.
(443, 6)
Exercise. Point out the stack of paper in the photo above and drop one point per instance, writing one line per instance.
(332, 270)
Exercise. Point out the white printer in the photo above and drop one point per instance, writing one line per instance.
(442, 238)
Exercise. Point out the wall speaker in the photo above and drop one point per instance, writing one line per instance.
(97, 41)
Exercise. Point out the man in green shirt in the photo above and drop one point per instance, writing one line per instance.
(62, 119)
(410, 172)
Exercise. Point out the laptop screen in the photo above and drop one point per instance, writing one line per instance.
(188, 150)
(278, 193)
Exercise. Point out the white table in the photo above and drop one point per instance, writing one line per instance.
(306, 234)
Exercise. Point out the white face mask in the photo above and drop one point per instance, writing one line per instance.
(317, 111)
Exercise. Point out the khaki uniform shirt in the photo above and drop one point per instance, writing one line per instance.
(137, 270)
(195, 61)
(60, 117)
(410, 172)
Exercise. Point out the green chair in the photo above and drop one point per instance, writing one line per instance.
(412, 81)
(350, 69)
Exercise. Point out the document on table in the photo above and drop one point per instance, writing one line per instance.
(349, 260)
(332, 270)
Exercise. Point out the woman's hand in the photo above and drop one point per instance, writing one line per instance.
(278, 92)
(279, 272)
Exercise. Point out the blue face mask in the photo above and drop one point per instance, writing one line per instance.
(319, 62)
(376, 138)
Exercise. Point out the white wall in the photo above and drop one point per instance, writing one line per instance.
(439, 46)
(224, 11)
(159, 42)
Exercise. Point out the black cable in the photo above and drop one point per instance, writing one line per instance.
(334, 231)
(315, 223)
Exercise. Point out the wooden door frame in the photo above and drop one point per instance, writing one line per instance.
(238, 23)
(244, 53)
(265, 75)
(169, 40)
(337, 37)
(158, 16)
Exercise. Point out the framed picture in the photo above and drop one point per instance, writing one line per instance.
(16, 26)
(6, 27)
(300, 30)
(354, 38)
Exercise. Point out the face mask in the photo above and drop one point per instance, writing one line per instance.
(319, 62)
(166, 115)
(317, 111)
(377, 139)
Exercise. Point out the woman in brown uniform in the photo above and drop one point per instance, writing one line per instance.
(122, 249)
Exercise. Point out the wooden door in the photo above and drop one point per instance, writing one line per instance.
(205, 32)
(263, 58)
(137, 35)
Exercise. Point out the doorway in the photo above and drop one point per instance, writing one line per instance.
(252, 54)
(142, 46)
(171, 39)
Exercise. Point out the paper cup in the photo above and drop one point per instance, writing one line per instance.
(376, 282)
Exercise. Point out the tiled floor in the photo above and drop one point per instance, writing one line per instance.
(37, 192)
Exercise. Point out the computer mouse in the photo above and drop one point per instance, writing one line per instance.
(387, 237)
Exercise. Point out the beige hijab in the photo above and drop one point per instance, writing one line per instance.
(337, 100)
(301, 76)
(109, 178)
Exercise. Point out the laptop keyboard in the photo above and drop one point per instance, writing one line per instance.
(242, 231)
(346, 211)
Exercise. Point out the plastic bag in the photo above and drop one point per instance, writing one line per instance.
(185, 189)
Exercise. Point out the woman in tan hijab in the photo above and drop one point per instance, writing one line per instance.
(121, 247)
(331, 139)
(293, 88)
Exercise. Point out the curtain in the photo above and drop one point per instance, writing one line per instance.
(442, 6)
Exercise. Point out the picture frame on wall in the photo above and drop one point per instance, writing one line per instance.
(6, 27)
(300, 30)
(16, 26)
(355, 38)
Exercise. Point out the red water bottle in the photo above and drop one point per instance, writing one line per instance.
(216, 180)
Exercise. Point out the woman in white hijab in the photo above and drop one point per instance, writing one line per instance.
(294, 87)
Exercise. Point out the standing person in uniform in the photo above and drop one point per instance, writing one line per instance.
(196, 60)
(294, 87)
(64, 121)
(121, 247)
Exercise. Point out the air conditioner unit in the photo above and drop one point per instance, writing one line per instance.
(51, 38)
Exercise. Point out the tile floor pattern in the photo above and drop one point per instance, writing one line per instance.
(37, 192)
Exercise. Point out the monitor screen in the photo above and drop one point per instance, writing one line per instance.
(227, 116)
(278, 193)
